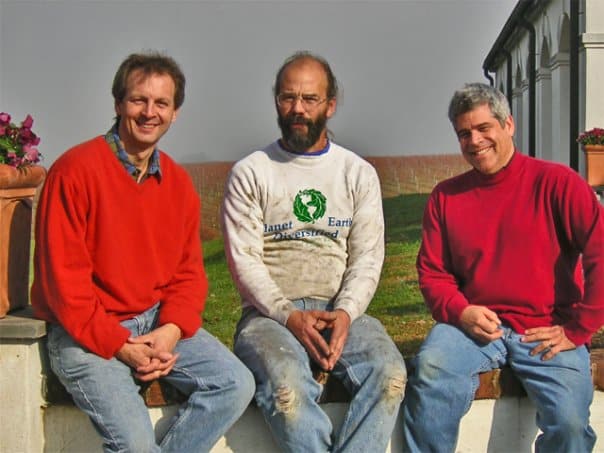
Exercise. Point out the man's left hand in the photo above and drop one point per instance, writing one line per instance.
(339, 334)
(552, 340)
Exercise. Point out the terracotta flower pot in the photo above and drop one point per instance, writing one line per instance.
(594, 164)
(17, 190)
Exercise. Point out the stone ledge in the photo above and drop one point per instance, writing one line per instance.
(21, 325)
(503, 425)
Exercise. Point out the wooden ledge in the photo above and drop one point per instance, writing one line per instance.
(155, 393)
(158, 393)
(597, 368)
(494, 384)
(497, 383)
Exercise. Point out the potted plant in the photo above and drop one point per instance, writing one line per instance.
(593, 147)
(19, 179)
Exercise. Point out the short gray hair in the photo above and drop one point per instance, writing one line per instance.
(473, 95)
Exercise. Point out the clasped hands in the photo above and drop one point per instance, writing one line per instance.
(150, 355)
(484, 325)
(307, 326)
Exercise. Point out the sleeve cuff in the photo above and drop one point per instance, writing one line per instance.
(454, 310)
(189, 323)
(350, 309)
(579, 338)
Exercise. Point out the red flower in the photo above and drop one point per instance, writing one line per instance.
(28, 122)
(593, 136)
(17, 143)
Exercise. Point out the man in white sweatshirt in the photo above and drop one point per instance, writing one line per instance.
(304, 236)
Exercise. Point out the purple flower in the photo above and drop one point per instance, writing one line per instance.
(28, 122)
(17, 143)
(593, 136)
(31, 154)
(27, 137)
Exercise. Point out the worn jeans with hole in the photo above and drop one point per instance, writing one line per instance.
(371, 368)
(219, 388)
(442, 386)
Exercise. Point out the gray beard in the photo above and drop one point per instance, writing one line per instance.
(298, 141)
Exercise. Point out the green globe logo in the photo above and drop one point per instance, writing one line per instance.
(309, 205)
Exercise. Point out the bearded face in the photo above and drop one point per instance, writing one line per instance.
(304, 106)
(300, 133)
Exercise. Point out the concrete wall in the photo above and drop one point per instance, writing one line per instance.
(504, 425)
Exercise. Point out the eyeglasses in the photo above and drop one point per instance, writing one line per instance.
(309, 101)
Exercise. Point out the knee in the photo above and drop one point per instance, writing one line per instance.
(279, 398)
(393, 391)
(385, 371)
(283, 397)
(246, 386)
(393, 380)
(242, 384)
(429, 367)
(434, 376)
(286, 400)
(389, 375)
(394, 386)
(384, 380)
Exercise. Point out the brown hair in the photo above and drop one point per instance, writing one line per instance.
(149, 63)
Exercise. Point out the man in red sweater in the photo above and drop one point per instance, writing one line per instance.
(119, 276)
(512, 267)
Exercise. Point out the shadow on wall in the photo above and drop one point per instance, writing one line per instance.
(209, 179)
(398, 175)
(415, 174)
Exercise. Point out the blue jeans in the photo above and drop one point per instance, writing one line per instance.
(371, 368)
(442, 387)
(219, 388)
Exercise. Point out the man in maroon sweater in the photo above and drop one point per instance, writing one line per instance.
(512, 267)
(119, 276)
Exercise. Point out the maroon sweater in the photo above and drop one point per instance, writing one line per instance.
(108, 249)
(515, 242)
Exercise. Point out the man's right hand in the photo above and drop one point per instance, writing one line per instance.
(481, 323)
(307, 325)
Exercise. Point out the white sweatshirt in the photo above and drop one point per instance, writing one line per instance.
(304, 226)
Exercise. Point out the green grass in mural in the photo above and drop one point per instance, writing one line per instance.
(397, 303)
(223, 306)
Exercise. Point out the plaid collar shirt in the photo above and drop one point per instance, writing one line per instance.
(113, 140)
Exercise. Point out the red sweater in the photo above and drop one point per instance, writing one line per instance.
(108, 249)
(513, 242)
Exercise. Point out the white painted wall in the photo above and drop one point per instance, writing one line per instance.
(553, 104)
